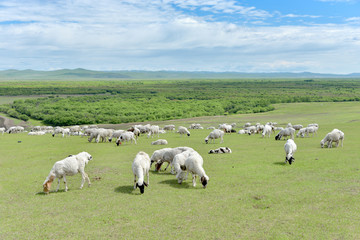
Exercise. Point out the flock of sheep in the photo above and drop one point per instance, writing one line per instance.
(182, 160)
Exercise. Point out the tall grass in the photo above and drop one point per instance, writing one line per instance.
(251, 194)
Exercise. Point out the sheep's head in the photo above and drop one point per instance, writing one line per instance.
(188, 134)
(211, 151)
(142, 187)
(277, 137)
(206, 140)
(118, 142)
(47, 184)
(204, 181)
(322, 143)
(158, 166)
(110, 139)
(290, 160)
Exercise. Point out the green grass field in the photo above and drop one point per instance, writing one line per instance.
(251, 194)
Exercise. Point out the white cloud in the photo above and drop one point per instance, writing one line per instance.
(155, 35)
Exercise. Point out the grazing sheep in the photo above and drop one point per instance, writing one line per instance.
(247, 125)
(311, 129)
(211, 128)
(183, 130)
(267, 130)
(196, 126)
(290, 149)
(169, 127)
(297, 126)
(193, 164)
(160, 142)
(301, 132)
(221, 150)
(334, 136)
(126, 137)
(251, 130)
(63, 131)
(285, 133)
(215, 134)
(225, 127)
(15, 129)
(101, 134)
(67, 167)
(140, 168)
(166, 155)
(116, 134)
(75, 130)
(153, 130)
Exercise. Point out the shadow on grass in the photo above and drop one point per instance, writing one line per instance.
(51, 192)
(128, 189)
(161, 173)
(173, 183)
(279, 163)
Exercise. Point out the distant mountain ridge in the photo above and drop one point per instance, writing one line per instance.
(80, 73)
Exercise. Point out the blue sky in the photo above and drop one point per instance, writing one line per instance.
(188, 35)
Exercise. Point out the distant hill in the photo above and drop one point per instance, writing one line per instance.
(79, 73)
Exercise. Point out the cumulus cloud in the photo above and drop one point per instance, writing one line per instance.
(164, 35)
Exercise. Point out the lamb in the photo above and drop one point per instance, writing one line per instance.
(215, 134)
(183, 130)
(160, 142)
(68, 167)
(267, 130)
(334, 136)
(285, 133)
(193, 164)
(140, 168)
(221, 150)
(166, 155)
(290, 149)
(126, 137)
(243, 131)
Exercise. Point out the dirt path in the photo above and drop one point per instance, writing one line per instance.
(7, 122)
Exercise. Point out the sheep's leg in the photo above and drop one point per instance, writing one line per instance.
(58, 186)
(167, 166)
(148, 182)
(135, 140)
(194, 180)
(134, 181)
(66, 187)
(88, 179)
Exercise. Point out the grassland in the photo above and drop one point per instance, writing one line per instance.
(251, 194)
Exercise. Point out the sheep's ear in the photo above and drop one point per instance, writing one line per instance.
(145, 184)
(137, 185)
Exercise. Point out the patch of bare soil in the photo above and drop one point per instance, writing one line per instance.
(7, 122)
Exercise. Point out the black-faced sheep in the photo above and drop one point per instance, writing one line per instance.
(140, 168)
(290, 149)
(285, 133)
(183, 130)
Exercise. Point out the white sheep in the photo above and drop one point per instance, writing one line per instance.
(166, 155)
(154, 129)
(67, 167)
(193, 164)
(159, 142)
(101, 134)
(126, 137)
(243, 131)
(220, 150)
(251, 129)
(196, 126)
(63, 131)
(215, 134)
(169, 127)
(312, 129)
(140, 168)
(301, 132)
(225, 127)
(290, 149)
(183, 130)
(285, 133)
(334, 136)
(36, 133)
(2, 130)
(116, 134)
(267, 130)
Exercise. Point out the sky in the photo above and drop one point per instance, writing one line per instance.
(321, 36)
